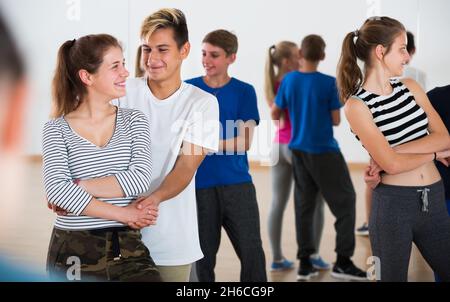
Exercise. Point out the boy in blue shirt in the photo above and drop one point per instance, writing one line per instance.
(313, 104)
(225, 193)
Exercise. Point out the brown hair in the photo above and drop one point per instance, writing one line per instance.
(313, 48)
(375, 31)
(167, 18)
(223, 39)
(275, 56)
(84, 53)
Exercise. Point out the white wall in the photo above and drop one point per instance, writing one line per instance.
(41, 26)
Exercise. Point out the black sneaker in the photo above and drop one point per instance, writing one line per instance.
(348, 272)
(306, 271)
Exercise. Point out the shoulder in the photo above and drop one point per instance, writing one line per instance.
(410, 83)
(131, 116)
(355, 106)
(326, 78)
(197, 96)
(242, 84)
(194, 81)
(54, 124)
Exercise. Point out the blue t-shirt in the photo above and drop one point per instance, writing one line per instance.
(237, 102)
(310, 98)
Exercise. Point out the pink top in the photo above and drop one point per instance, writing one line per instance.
(283, 133)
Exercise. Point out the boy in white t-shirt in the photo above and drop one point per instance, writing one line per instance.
(184, 128)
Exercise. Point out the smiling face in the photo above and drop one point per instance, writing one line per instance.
(215, 60)
(161, 56)
(110, 77)
(397, 57)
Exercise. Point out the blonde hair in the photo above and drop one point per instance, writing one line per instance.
(166, 18)
(275, 56)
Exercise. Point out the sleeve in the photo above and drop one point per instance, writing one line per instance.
(248, 109)
(334, 97)
(136, 180)
(280, 98)
(203, 129)
(60, 189)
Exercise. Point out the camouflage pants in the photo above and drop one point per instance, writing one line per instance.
(114, 254)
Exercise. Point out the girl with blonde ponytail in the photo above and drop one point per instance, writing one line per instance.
(403, 134)
(282, 59)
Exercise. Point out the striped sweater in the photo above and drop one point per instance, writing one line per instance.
(68, 156)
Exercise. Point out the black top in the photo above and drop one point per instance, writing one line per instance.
(440, 99)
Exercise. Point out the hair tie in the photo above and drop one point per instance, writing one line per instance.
(73, 42)
(356, 33)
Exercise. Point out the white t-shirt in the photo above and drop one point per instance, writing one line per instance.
(191, 115)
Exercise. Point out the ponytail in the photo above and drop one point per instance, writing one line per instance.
(269, 76)
(349, 75)
(64, 88)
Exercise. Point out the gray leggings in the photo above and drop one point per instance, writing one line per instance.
(398, 218)
(282, 178)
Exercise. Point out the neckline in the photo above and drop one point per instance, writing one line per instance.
(382, 95)
(216, 88)
(167, 100)
(88, 141)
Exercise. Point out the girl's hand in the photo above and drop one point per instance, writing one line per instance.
(139, 218)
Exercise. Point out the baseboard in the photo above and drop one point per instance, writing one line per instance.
(254, 164)
(258, 165)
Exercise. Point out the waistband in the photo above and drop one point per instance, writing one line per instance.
(410, 191)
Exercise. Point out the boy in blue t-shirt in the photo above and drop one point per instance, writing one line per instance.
(313, 104)
(225, 193)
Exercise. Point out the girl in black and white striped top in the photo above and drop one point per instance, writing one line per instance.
(97, 160)
(403, 134)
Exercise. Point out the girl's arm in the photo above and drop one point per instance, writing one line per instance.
(438, 139)
(136, 179)
(362, 124)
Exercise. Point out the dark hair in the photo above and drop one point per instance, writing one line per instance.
(410, 46)
(11, 64)
(375, 31)
(84, 53)
(223, 39)
(313, 48)
(167, 18)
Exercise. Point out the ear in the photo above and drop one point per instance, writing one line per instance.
(185, 49)
(380, 52)
(322, 57)
(232, 58)
(85, 77)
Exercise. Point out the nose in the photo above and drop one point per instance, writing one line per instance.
(125, 73)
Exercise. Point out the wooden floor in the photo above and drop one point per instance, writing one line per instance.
(25, 239)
